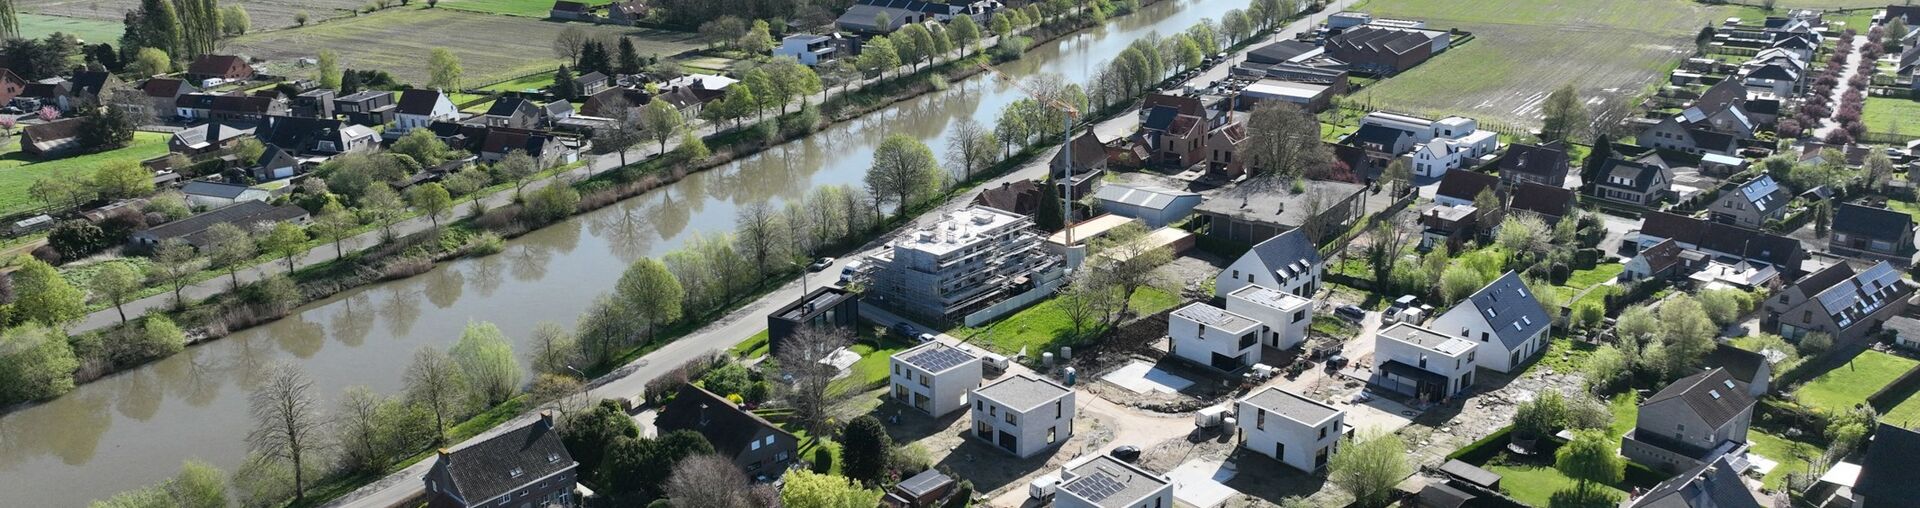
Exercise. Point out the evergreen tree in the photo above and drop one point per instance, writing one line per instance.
(9, 20)
(1590, 170)
(563, 84)
(629, 61)
(1050, 217)
(594, 58)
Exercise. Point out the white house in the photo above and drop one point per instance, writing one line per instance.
(1288, 262)
(809, 49)
(934, 377)
(1455, 141)
(1294, 430)
(1423, 363)
(1421, 128)
(1023, 414)
(1283, 317)
(1101, 481)
(1156, 206)
(420, 108)
(1212, 336)
(1507, 322)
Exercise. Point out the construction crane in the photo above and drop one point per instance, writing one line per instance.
(1072, 116)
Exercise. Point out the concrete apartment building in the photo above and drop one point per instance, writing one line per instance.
(1101, 481)
(965, 261)
(1418, 362)
(1284, 317)
(1214, 337)
(1023, 414)
(934, 377)
(1295, 430)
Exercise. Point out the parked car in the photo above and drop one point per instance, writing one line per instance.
(820, 264)
(928, 337)
(906, 330)
(1336, 362)
(1351, 313)
(1126, 453)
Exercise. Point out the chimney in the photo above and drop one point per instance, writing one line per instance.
(546, 417)
(444, 453)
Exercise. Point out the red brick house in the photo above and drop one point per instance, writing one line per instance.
(11, 85)
(227, 67)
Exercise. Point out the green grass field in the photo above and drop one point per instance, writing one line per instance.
(398, 41)
(529, 8)
(534, 82)
(1848, 385)
(1523, 49)
(1907, 414)
(871, 370)
(1891, 115)
(18, 171)
(1626, 411)
(1781, 450)
(1044, 326)
(1534, 485)
(93, 31)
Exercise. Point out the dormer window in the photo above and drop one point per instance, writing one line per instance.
(553, 457)
(516, 473)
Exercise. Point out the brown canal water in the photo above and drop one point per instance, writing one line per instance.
(135, 428)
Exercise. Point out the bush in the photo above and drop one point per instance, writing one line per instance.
(552, 203)
(485, 244)
(77, 238)
(822, 460)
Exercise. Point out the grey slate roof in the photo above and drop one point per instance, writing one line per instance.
(485, 470)
(1639, 173)
(729, 428)
(1286, 252)
(925, 482)
(213, 189)
(1713, 394)
(1291, 405)
(244, 214)
(1465, 185)
(1765, 194)
(1870, 222)
(1712, 485)
(1887, 476)
(1514, 314)
(1739, 363)
(1549, 161)
(1021, 392)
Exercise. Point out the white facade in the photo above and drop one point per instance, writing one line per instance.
(1101, 481)
(809, 49)
(1286, 262)
(443, 109)
(1452, 359)
(934, 377)
(1295, 430)
(1421, 128)
(1022, 414)
(1283, 317)
(1208, 335)
(1509, 325)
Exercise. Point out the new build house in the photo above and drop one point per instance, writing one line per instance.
(1284, 317)
(1422, 363)
(963, 262)
(1023, 414)
(1295, 430)
(1690, 422)
(1507, 322)
(1214, 337)
(1288, 262)
(934, 377)
(1753, 203)
(1101, 481)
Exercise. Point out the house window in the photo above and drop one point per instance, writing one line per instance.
(1057, 409)
(755, 444)
(1236, 275)
(769, 441)
(1011, 420)
(1260, 419)
(1299, 316)
(979, 406)
(1483, 336)
(1050, 435)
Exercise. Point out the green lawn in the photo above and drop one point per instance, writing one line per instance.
(534, 82)
(753, 347)
(1906, 414)
(1780, 449)
(1534, 485)
(92, 31)
(477, 108)
(1848, 385)
(1564, 355)
(1045, 327)
(1889, 114)
(1626, 410)
(1582, 279)
(871, 370)
(18, 170)
(1907, 207)
(531, 8)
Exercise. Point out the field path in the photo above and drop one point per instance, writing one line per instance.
(1827, 125)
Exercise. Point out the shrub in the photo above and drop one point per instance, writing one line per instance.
(822, 460)
(485, 244)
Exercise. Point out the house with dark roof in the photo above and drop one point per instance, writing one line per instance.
(1173, 129)
(245, 214)
(513, 113)
(1872, 233)
(1023, 414)
(1280, 52)
(1385, 51)
(1252, 215)
(51, 139)
(1458, 188)
(1297, 431)
(1635, 182)
(1543, 201)
(314, 137)
(569, 10)
(1449, 225)
(420, 107)
(627, 12)
(1712, 484)
(88, 84)
(228, 107)
(1089, 162)
(55, 92)
(1664, 260)
(591, 83)
(1288, 262)
(1887, 476)
(1020, 197)
(208, 137)
(880, 17)
(547, 151)
(1846, 306)
(825, 308)
(1745, 366)
(603, 104)
(758, 447)
(1725, 243)
(528, 466)
(316, 103)
(1687, 134)
(1509, 324)
(1156, 206)
(1752, 204)
(1693, 421)
(1542, 164)
(366, 107)
(226, 67)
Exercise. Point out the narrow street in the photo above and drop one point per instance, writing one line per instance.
(1827, 125)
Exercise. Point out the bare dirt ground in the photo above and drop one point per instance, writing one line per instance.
(265, 14)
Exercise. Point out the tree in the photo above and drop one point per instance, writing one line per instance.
(199, 26)
(964, 32)
(486, 358)
(287, 241)
(628, 60)
(431, 198)
(443, 70)
(1368, 467)
(234, 20)
(1386, 243)
(626, 132)
(589, 436)
(230, 248)
(59, 192)
(707, 481)
(116, 281)
(903, 168)
(637, 467)
(594, 58)
(1124, 260)
(915, 43)
(381, 205)
(662, 122)
(174, 264)
(1590, 459)
(286, 421)
(436, 383)
(150, 62)
(516, 167)
(154, 25)
(569, 43)
(970, 147)
(648, 290)
(424, 147)
(807, 489)
(334, 224)
(9, 21)
(552, 203)
(1564, 115)
(110, 128)
(36, 362)
(1543, 416)
(757, 40)
(864, 449)
(1283, 141)
(810, 391)
(1896, 29)
(724, 30)
(42, 295)
(563, 85)
(123, 179)
(878, 56)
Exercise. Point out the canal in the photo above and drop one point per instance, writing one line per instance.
(135, 428)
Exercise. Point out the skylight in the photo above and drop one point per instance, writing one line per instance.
(1714, 393)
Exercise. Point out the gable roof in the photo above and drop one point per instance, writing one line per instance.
(1379, 39)
(590, 78)
(1546, 200)
(1506, 306)
(215, 65)
(1286, 254)
(1764, 194)
(569, 6)
(1639, 175)
(512, 106)
(1143, 196)
(1661, 255)
(729, 428)
(64, 128)
(92, 82)
(1020, 197)
(1713, 395)
(300, 134)
(1465, 185)
(1715, 484)
(244, 214)
(1780, 251)
(166, 88)
(1887, 472)
(506, 462)
(507, 140)
(1721, 95)
(1877, 223)
(1087, 150)
(1378, 134)
(210, 133)
(1549, 160)
(1853, 299)
(419, 101)
(1181, 105)
(1739, 363)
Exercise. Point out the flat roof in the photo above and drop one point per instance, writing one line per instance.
(935, 357)
(1215, 317)
(1270, 298)
(813, 303)
(1292, 406)
(1411, 334)
(1091, 228)
(1109, 482)
(956, 230)
(1022, 392)
(1270, 86)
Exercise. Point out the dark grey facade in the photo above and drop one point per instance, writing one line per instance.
(827, 307)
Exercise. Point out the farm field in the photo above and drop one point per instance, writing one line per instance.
(92, 31)
(530, 8)
(1850, 383)
(1524, 49)
(18, 171)
(533, 82)
(265, 14)
(398, 41)
(1890, 114)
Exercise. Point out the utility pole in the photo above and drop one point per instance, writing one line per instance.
(1071, 115)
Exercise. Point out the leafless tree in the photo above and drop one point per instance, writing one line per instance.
(811, 391)
(570, 43)
(1312, 225)
(970, 148)
(435, 382)
(758, 233)
(708, 481)
(286, 421)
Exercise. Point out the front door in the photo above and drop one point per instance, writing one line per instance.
(1009, 442)
(1280, 451)
(1320, 459)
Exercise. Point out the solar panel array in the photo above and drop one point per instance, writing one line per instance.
(938, 358)
(1095, 487)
